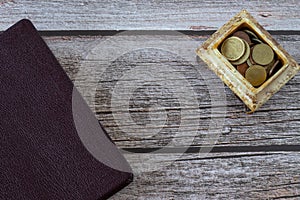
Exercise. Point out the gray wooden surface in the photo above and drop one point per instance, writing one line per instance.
(147, 14)
(254, 156)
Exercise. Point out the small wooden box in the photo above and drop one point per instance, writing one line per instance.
(251, 96)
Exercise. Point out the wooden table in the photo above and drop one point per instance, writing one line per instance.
(162, 109)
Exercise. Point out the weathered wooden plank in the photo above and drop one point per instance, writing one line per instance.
(216, 176)
(276, 123)
(255, 175)
(144, 14)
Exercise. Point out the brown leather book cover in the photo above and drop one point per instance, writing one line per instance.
(51, 144)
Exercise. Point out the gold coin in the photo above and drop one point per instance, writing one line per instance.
(249, 63)
(272, 70)
(256, 75)
(233, 48)
(244, 57)
(250, 33)
(256, 41)
(262, 54)
(269, 66)
(250, 57)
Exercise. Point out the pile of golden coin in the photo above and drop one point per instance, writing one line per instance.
(253, 58)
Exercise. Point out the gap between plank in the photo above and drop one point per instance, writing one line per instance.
(113, 32)
(217, 149)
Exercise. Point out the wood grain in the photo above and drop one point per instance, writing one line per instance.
(276, 123)
(216, 176)
(256, 156)
(144, 14)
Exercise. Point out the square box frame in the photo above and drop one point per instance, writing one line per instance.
(251, 96)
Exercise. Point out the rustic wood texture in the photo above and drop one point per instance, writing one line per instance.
(255, 156)
(218, 176)
(276, 123)
(144, 14)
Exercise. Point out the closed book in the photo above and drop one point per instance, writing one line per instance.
(51, 144)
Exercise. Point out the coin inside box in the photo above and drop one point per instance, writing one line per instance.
(253, 97)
